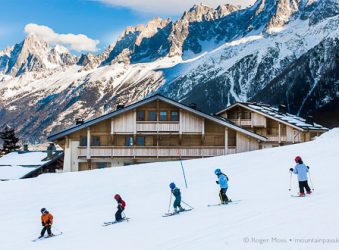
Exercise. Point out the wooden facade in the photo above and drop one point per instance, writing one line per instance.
(277, 131)
(153, 130)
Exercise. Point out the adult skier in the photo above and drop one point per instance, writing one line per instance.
(223, 182)
(46, 221)
(121, 207)
(177, 194)
(301, 170)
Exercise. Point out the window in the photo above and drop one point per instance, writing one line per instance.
(140, 141)
(152, 116)
(83, 141)
(141, 115)
(129, 141)
(174, 116)
(246, 115)
(95, 140)
(163, 115)
(102, 164)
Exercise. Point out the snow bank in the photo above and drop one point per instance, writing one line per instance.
(265, 218)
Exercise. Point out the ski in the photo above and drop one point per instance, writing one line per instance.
(224, 204)
(46, 237)
(297, 196)
(115, 222)
(171, 214)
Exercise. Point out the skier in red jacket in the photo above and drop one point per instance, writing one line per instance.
(121, 207)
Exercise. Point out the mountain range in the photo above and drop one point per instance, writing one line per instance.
(276, 51)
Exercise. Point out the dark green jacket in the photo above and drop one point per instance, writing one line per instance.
(176, 193)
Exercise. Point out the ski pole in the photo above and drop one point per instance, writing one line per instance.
(187, 204)
(57, 229)
(169, 205)
(125, 216)
(290, 181)
(309, 175)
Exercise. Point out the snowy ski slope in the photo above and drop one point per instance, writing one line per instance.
(267, 217)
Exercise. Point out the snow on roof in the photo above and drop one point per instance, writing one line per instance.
(286, 117)
(17, 164)
(23, 159)
(14, 172)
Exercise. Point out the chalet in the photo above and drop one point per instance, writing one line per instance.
(154, 129)
(276, 124)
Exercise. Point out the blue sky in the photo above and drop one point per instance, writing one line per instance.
(101, 20)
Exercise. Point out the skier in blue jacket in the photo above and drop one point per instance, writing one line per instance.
(301, 170)
(223, 182)
(177, 194)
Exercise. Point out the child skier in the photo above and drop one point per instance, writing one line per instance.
(223, 182)
(121, 207)
(301, 170)
(46, 221)
(177, 194)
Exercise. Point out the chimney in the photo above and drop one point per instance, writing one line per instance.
(193, 105)
(282, 109)
(79, 121)
(120, 106)
(25, 148)
(310, 120)
(50, 150)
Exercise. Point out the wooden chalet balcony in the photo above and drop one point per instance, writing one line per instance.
(283, 138)
(242, 122)
(275, 138)
(155, 152)
(157, 126)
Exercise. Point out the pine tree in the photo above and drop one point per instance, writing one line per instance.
(9, 140)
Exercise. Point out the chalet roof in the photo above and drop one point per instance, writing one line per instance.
(273, 112)
(16, 165)
(214, 118)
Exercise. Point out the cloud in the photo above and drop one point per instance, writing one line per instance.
(77, 42)
(170, 6)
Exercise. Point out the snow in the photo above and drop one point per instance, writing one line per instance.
(15, 165)
(14, 172)
(81, 202)
(29, 158)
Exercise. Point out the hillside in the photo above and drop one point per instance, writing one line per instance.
(212, 57)
(81, 201)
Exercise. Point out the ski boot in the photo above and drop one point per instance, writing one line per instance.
(301, 194)
(309, 192)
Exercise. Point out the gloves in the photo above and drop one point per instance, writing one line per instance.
(308, 167)
(291, 169)
(217, 182)
(43, 224)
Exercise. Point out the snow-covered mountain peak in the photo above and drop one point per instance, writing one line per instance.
(34, 54)
(225, 9)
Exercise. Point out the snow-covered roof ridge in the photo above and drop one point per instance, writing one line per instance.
(274, 112)
(18, 164)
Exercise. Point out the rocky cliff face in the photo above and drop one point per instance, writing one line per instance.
(274, 51)
(33, 55)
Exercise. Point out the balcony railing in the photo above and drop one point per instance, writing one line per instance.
(242, 122)
(157, 152)
(157, 126)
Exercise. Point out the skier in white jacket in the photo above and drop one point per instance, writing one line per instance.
(301, 170)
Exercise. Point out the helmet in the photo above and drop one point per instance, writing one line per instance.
(297, 159)
(43, 210)
(217, 171)
(172, 185)
(117, 197)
